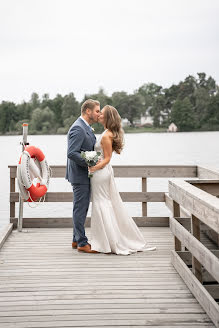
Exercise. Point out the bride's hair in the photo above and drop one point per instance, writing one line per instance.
(113, 123)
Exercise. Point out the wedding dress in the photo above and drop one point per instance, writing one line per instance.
(112, 229)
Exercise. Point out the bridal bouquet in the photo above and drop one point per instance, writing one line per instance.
(91, 158)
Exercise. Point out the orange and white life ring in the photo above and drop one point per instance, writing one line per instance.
(28, 171)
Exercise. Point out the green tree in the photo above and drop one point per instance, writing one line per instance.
(70, 107)
(35, 100)
(101, 96)
(42, 121)
(212, 117)
(128, 106)
(8, 117)
(183, 114)
(158, 110)
(120, 102)
(56, 107)
(153, 100)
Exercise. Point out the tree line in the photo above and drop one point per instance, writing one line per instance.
(192, 104)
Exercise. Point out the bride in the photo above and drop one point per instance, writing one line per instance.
(112, 229)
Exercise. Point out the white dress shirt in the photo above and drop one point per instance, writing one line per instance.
(85, 121)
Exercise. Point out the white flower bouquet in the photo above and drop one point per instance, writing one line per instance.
(91, 158)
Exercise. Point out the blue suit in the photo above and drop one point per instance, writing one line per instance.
(80, 138)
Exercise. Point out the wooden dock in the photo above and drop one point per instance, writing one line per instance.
(45, 283)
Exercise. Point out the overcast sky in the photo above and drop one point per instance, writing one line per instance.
(62, 46)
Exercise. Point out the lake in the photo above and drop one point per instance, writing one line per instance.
(189, 148)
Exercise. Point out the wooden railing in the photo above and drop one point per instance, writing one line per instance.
(194, 205)
(135, 172)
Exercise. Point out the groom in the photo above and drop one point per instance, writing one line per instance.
(81, 138)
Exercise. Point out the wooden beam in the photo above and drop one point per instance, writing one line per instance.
(133, 171)
(169, 204)
(186, 256)
(144, 189)
(198, 290)
(196, 265)
(213, 290)
(210, 187)
(197, 202)
(185, 222)
(207, 173)
(126, 196)
(12, 204)
(67, 222)
(5, 232)
(198, 250)
(176, 213)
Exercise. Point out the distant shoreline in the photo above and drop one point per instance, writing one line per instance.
(127, 130)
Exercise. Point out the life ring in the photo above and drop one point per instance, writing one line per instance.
(27, 170)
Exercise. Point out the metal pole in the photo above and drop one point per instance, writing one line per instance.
(21, 202)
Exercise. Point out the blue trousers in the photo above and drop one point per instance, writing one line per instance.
(80, 207)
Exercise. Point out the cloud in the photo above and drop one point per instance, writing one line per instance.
(56, 46)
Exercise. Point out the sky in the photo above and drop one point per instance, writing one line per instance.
(63, 46)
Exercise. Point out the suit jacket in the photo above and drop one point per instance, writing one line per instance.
(80, 138)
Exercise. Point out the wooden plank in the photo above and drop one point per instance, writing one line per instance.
(212, 187)
(176, 213)
(197, 202)
(169, 204)
(213, 290)
(12, 203)
(121, 324)
(206, 301)
(67, 222)
(185, 222)
(201, 253)
(144, 204)
(152, 321)
(100, 310)
(134, 171)
(47, 286)
(190, 317)
(207, 173)
(196, 265)
(126, 196)
(213, 236)
(4, 233)
(154, 308)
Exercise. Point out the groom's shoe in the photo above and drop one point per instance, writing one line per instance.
(74, 244)
(86, 249)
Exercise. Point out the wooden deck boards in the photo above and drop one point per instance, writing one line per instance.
(45, 283)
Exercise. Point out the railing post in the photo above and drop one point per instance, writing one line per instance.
(176, 213)
(21, 202)
(144, 189)
(12, 189)
(196, 265)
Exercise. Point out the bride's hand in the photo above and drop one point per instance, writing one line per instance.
(92, 169)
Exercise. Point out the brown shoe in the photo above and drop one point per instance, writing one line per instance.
(74, 244)
(86, 249)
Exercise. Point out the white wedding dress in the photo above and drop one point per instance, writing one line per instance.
(112, 229)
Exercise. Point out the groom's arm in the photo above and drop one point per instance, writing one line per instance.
(75, 140)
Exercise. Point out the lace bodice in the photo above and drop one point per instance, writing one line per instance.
(98, 146)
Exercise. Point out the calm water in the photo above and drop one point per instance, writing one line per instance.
(193, 148)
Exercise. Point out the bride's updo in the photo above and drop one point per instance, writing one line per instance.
(113, 123)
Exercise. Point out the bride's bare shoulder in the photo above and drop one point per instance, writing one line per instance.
(109, 134)
(107, 137)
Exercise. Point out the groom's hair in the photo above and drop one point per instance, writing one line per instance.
(89, 103)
